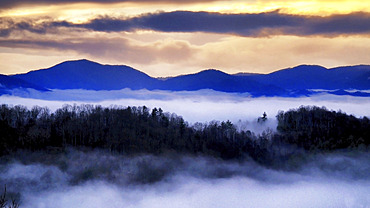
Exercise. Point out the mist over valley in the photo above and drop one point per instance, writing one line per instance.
(97, 178)
(183, 146)
(184, 104)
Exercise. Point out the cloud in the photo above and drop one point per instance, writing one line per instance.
(200, 106)
(116, 48)
(259, 24)
(249, 25)
(170, 54)
(14, 3)
(100, 179)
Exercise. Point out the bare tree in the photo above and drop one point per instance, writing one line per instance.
(4, 201)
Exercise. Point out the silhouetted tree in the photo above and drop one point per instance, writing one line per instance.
(134, 130)
(4, 201)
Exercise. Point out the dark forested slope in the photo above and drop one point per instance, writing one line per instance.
(136, 130)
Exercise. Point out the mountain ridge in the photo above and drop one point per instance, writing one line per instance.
(84, 74)
(317, 77)
(8, 83)
(290, 82)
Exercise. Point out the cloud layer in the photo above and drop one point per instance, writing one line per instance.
(13, 3)
(251, 25)
(169, 38)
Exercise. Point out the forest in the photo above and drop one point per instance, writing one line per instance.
(138, 130)
(136, 145)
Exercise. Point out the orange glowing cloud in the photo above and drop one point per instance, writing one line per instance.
(166, 38)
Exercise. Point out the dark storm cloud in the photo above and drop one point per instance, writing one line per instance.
(350, 24)
(7, 25)
(184, 21)
(260, 24)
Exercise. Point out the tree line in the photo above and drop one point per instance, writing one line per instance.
(135, 130)
(314, 128)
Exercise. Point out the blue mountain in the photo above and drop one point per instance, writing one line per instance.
(84, 74)
(296, 81)
(317, 77)
(8, 83)
(220, 81)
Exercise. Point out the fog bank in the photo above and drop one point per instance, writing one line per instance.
(99, 179)
(197, 106)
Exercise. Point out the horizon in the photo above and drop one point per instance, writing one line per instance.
(177, 75)
(166, 39)
(184, 103)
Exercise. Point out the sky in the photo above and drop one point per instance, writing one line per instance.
(168, 38)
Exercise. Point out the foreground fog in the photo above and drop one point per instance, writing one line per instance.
(95, 179)
(98, 179)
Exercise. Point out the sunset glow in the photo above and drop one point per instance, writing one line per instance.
(152, 36)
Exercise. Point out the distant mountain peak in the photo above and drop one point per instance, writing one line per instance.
(77, 62)
(295, 81)
(309, 67)
(86, 74)
(300, 70)
(80, 61)
(83, 60)
(211, 71)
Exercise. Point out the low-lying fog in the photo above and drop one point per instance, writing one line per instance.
(198, 106)
(96, 179)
